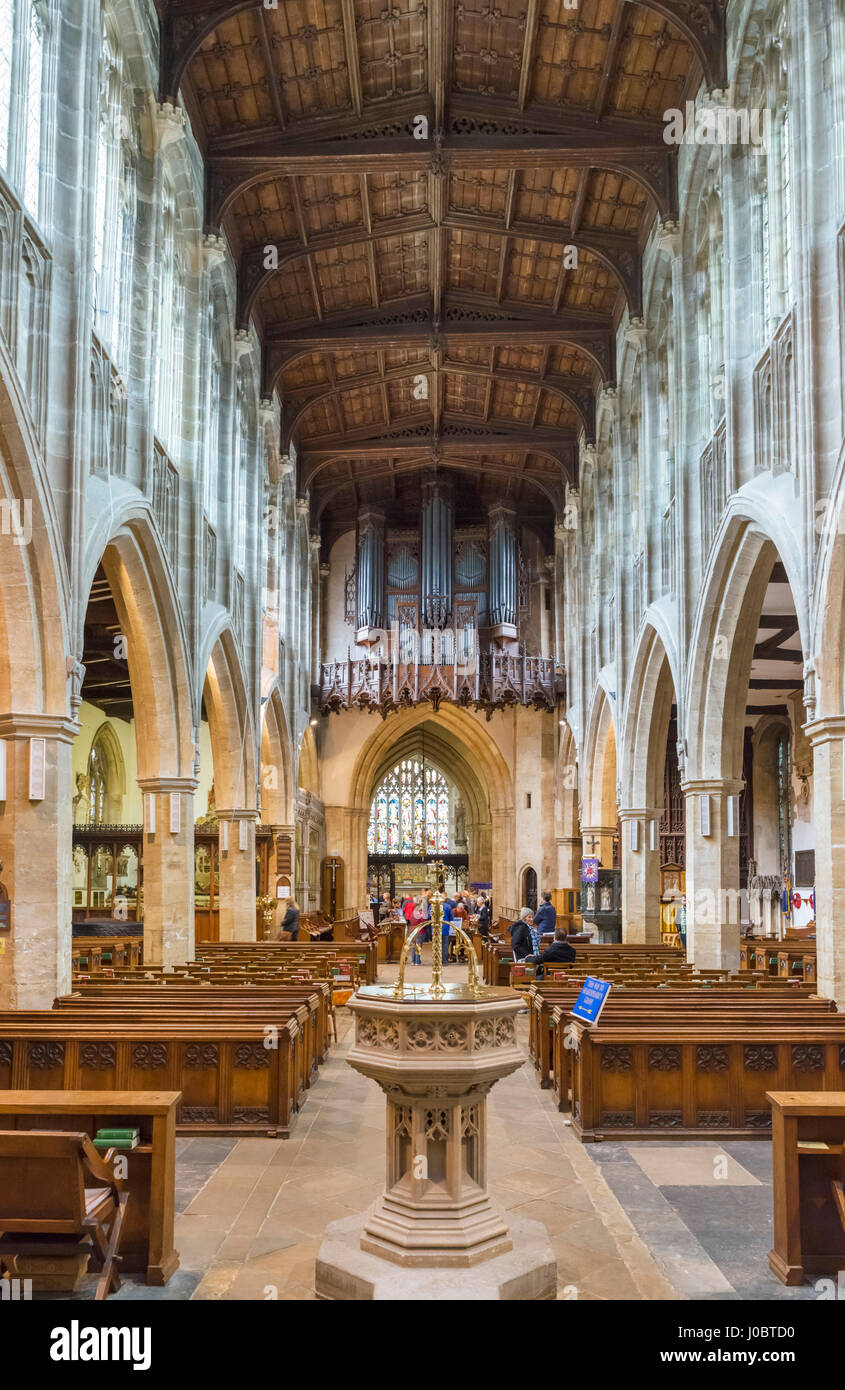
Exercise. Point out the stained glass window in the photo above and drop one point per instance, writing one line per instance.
(410, 811)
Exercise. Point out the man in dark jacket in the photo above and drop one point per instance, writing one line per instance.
(559, 953)
(545, 918)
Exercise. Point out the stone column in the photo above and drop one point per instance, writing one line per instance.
(237, 874)
(168, 869)
(35, 855)
(597, 841)
(437, 524)
(640, 877)
(712, 874)
(370, 575)
(828, 739)
(503, 583)
(568, 861)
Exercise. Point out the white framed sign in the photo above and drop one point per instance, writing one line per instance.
(224, 837)
(635, 836)
(652, 834)
(37, 768)
(2, 769)
(733, 815)
(243, 834)
(150, 806)
(704, 814)
(175, 813)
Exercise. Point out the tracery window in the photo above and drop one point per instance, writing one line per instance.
(410, 811)
(23, 33)
(96, 785)
(170, 329)
(114, 218)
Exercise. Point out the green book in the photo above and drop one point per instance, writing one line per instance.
(115, 1134)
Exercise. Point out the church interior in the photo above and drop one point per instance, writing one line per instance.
(422, 594)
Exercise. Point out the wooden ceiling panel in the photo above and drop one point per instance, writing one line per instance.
(473, 262)
(488, 48)
(363, 406)
(546, 196)
(555, 412)
(306, 372)
(472, 356)
(532, 271)
(319, 419)
(483, 193)
(330, 205)
(400, 194)
(465, 395)
(614, 202)
(406, 357)
(566, 360)
(265, 214)
(572, 46)
(590, 287)
(402, 265)
(392, 48)
(354, 364)
(230, 78)
(653, 67)
(520, 359)
(289, 297)
(403, 401)
(513, 401)
(343, 275)
(311, 68)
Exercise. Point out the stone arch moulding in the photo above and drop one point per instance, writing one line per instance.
(276, 780)
(231, 726)
(828, 615)
(598, 793)
(34, 596)
(467, 754)
(724, 633)
(156, 646)
(308, 764)
(652, 689)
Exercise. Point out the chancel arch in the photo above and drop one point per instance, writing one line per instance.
(230, 724)
(599, 811)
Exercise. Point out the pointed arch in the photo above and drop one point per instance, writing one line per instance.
(231, 725)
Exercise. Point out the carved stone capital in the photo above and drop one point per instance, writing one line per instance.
(668, 237)
(636, 333)
(242, 343)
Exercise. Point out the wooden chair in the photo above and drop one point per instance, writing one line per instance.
(55, 1184)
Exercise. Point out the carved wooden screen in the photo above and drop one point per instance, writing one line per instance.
(672, 822)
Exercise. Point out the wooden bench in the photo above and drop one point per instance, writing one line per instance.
(95, 953)
(695, 1074)
(60, 1205)
(808, 1161)
(546, 996)
(243, 952)
(230, 1082)
(147, 1241)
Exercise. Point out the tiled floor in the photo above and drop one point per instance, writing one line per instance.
(626, 1221)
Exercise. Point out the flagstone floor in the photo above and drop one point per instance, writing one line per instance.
(625, 1221)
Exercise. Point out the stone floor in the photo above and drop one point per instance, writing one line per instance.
(626, 1221)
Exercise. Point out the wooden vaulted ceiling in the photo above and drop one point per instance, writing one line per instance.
(440, 259)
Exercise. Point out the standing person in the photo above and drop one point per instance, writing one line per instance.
(417, 916)
(483, 916)
(447, 928)
(384, 907)
(545, 918)
(461, 914)
(290, 921)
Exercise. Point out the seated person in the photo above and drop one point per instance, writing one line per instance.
(521, 938)
(560, 952)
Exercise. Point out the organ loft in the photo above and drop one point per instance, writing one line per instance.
(422, 653)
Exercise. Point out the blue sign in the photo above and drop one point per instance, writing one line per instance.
(589, 870)
(590, 1001)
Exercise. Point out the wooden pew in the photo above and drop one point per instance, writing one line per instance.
(147, 1243)
(808, 1159)
(242, 952)
(697, 1075)
(230, 1082)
